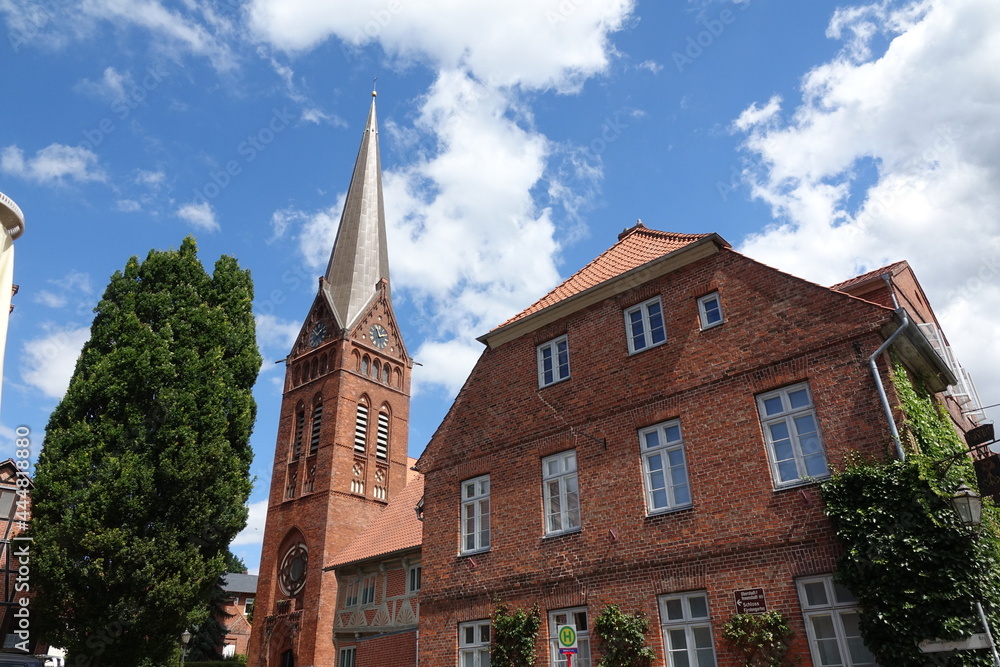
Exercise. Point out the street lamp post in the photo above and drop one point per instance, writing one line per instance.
(185, 638)
(968, 505)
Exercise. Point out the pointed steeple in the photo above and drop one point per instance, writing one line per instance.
(360, 258)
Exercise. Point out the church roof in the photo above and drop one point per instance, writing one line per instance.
(637, 245)
(359, 259)
(396, 529)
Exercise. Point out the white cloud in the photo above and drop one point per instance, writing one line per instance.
(254, 531)
(175, 32)
(110, 88)
(47, 363)
(200, 215)
(52, 164)
(75, 281)
(128, 205)
(468, 241)
(154, 179)
(275, 332)
(49, 299)
(558, 44)
(894, 156)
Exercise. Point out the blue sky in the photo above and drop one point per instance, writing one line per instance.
(517, 140)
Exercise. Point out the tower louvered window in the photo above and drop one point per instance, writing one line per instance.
(316, 423)
(361, 429)
(300, 424)
(382, 439)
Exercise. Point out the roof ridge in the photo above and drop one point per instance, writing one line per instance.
(631, 260)
(868, 275)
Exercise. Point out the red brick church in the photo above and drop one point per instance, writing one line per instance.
(650, 433)
(341, 453)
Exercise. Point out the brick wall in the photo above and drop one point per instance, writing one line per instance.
(331, 515)
(739, 532)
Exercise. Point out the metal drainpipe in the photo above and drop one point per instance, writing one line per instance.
(878, 378)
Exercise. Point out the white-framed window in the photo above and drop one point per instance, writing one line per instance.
(664, 467)
(553, 361)
(413, 574)
(576, 617)
(831, 616)
(794, 445)
(561, 491)
(710, 310)
(229, 651)
(474, 644)
(476, 514)
(687, 630)
(248, 606)
(351, 593)
(347, 657)
(368, 589)
(644, 325)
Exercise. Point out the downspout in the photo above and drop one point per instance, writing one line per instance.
(878, 378)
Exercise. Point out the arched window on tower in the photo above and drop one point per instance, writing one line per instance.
(290, 489)
(364, 365)
(376, 369)
(322, 365)
(317, 422)
(361, 429)
(310, 483)
(382, 437)
(300, 424)
(385, 374)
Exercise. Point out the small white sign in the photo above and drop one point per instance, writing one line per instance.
(938, 646)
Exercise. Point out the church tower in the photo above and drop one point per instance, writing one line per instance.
(341, 453)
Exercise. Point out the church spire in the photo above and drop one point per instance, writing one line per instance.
(360, 259)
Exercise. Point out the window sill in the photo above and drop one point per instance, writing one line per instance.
(476, 552)
(799, 483)
(669, 510)
(632, 352)
(716, 325)
(562, 533)
(554, 382)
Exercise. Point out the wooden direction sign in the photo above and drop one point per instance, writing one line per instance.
(750, 601)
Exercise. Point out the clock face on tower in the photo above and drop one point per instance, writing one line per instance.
(317, 335)
(378, 336)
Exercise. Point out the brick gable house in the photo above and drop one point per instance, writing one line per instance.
(650, 434)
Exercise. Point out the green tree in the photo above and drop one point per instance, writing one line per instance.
(514, 633)
(143, 478)
(623, 638)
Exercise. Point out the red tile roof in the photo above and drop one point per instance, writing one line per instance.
(865, 277)
(636, 246)
(395, 529)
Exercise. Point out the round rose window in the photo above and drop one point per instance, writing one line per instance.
(292, 575)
